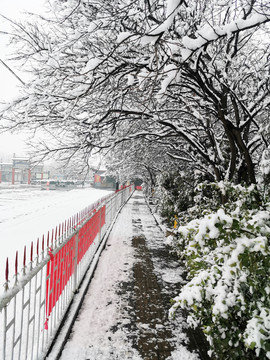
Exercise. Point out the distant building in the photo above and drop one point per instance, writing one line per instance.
(20, 171)
(101, 181)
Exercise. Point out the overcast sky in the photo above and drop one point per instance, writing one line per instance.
(12, 9)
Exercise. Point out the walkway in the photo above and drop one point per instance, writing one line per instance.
(125, 311)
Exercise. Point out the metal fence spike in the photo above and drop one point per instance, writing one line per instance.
(6, 274)
(31, 252)
(24, 260)
(7, 270)
(16, 263)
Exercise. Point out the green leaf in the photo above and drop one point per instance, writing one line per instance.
(252, 345)
(235, 224)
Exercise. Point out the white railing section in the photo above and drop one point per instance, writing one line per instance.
(34, 305)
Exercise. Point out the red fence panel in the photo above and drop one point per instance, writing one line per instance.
(61, 265)
(59, 270)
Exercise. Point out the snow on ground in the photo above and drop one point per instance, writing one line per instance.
(105, 328)
(27, 213)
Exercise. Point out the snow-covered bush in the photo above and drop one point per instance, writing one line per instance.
(174, 193)
(227, 255)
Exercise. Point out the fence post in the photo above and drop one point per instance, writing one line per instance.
(111, 209)
(100, 220)
(123, 196)
(4, 332)
(75, 262)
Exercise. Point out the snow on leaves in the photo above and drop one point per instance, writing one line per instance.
(227, 255)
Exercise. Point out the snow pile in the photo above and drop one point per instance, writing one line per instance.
(228, 258)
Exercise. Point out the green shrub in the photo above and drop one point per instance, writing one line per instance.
(227, 255)
(175, 194)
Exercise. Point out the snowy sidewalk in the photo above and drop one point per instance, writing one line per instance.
(125, 311)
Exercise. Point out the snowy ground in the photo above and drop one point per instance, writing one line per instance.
(27, 213)
(118, 319)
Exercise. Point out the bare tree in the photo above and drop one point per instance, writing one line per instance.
(193, 76)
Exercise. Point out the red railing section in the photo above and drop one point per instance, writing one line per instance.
(89, 231)
(61, 265)
(59, 270)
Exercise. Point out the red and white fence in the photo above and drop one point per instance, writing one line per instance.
(33, 306)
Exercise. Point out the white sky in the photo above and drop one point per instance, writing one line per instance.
(12, 9)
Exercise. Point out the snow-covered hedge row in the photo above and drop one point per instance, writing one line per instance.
(227, 255)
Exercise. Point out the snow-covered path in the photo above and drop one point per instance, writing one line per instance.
(124, 313)
(27, 213)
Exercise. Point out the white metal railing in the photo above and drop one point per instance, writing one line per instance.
(33, 307)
